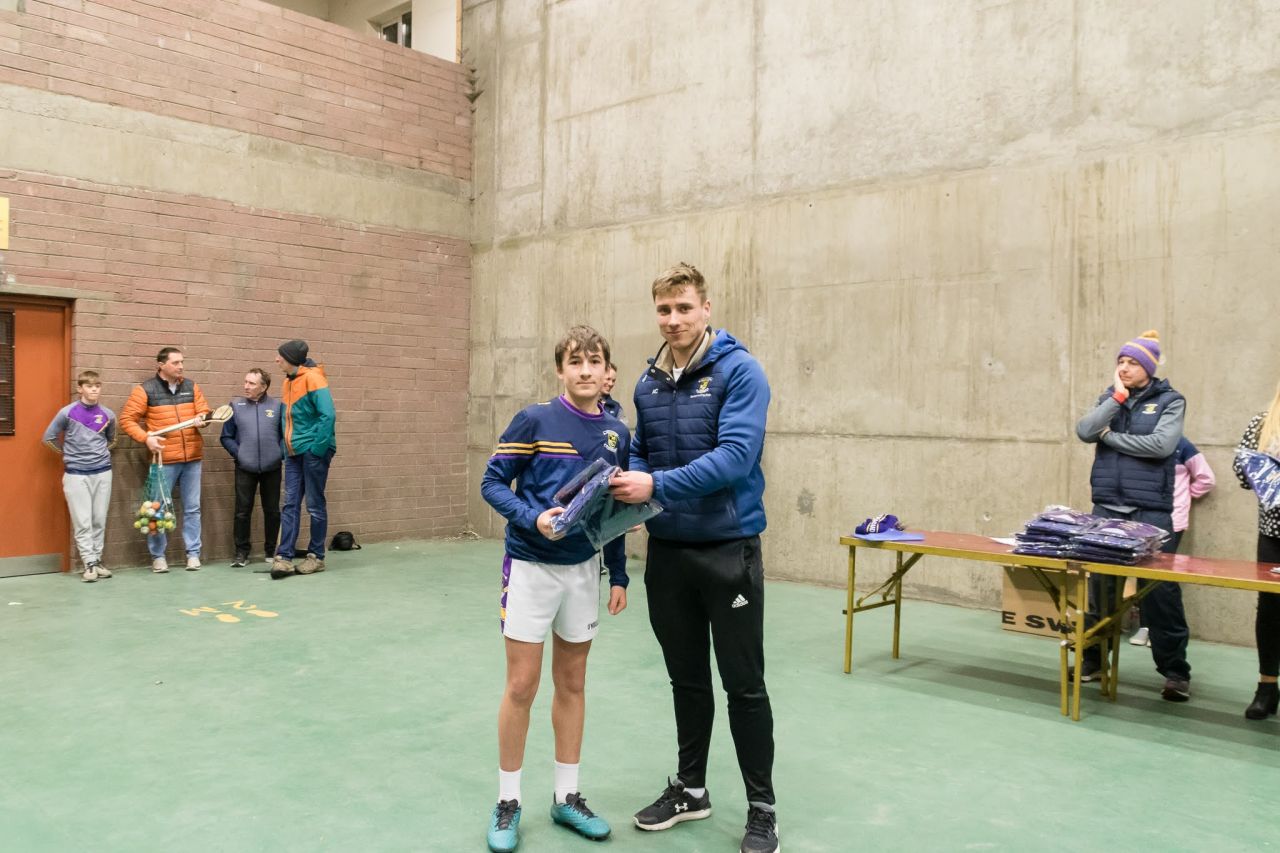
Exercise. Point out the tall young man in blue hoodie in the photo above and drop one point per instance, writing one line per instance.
(699, 436)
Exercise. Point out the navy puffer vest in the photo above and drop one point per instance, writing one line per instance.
(1119, 479)
(703, 437)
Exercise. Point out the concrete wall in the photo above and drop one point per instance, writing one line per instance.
(227, 176)
(933, 222)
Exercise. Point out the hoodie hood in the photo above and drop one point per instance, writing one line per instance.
(715, 345)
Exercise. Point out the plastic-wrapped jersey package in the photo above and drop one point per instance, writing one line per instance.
(593, 511)
(1263, 473)
(1065, 515)
(564, 497)
(1070, 534)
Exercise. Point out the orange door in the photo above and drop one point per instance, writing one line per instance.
(35, 531)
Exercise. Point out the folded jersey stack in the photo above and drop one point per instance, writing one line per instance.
(1066, 533)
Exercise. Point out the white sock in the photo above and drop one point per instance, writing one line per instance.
(566, 781)
(508, 784)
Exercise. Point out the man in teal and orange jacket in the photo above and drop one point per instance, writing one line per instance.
(309, 445)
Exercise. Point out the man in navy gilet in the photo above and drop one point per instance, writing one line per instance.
(699, 436)
(1136, 427)
(254, 437)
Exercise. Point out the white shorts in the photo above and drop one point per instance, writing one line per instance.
(540, 597)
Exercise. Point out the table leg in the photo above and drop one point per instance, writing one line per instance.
(897, 605)
(1062, 647)
(848, 611)
(1113, 683)
(1082, 594)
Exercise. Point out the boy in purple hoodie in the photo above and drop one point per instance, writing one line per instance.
(83, 434)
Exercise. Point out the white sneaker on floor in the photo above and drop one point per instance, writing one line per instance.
(90, 575)
(159, 565)
(1139, 638)
(193, 564)
(102, 570)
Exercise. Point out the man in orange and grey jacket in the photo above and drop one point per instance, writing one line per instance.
(309, 443)
(163, 400)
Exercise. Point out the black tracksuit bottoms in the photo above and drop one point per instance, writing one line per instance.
(1266, 626)
(705, 594)
(267, 483)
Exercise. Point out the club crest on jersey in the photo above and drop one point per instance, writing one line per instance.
(271, 413)
(611, 440)
(1149, 409)
(701, 389)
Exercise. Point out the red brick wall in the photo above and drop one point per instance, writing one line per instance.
(248, 66)
(385, 310)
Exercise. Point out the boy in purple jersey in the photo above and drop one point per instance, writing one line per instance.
(550, 581)
(83, 434)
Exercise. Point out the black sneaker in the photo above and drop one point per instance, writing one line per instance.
(1089, 671)
(762, 832)
(240, 561)
(1176, 690)
(673, 806)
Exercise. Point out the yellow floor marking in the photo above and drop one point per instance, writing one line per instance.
(227, 617)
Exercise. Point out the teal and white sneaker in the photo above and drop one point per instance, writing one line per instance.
(574, 814)
(504, 826)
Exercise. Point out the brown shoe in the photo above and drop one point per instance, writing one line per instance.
(281, 568)
(310, 565)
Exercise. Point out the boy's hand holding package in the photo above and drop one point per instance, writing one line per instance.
(546, 523)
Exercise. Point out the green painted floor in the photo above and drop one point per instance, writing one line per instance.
(362, 717)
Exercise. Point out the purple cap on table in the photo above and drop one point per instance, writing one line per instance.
(885, 528)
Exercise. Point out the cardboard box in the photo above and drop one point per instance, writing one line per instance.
(1026, 606)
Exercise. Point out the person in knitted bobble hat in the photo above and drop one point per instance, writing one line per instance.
(1136, 426)
(309, 445)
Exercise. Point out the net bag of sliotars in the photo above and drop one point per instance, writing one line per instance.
(155, 512)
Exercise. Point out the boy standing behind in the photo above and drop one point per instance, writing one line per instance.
(88, 432)
(550, 583)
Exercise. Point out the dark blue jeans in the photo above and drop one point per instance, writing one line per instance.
(304, 478)
(1161, 610)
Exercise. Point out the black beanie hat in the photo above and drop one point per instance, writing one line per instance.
(294, 352)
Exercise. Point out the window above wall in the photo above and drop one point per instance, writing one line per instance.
(397, 28)
(438, 22)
